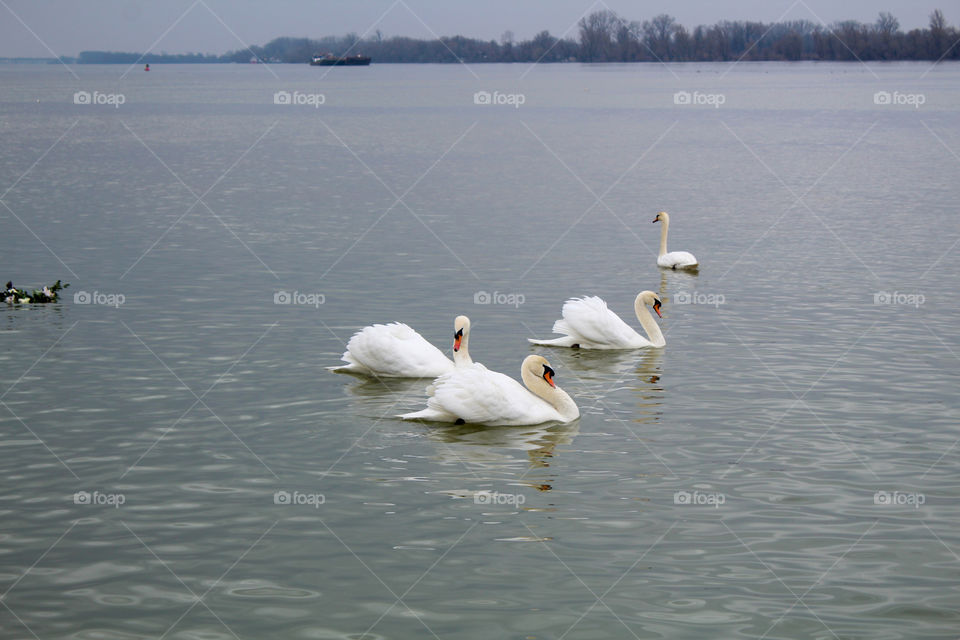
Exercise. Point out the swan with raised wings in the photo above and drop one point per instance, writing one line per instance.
(672, 259)
(396, 351)
(587, 323)
(476, 395)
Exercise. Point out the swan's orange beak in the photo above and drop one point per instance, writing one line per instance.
(656, 304)
(457, 339)
(657, 219)
(548, 376)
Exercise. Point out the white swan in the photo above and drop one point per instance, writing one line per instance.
(396, 351)
(674, 259)
(476, 395)
(589, 324)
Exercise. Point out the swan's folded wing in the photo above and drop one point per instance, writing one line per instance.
(590, 319)
(677, 259)
(480, 396)
(396, 349)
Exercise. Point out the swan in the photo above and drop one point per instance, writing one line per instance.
(589, 324)
(473, 394)
(396, 351)
(674, 259)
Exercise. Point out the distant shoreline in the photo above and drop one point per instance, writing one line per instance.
(603, 36)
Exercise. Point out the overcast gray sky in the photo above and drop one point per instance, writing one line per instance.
(29, 27)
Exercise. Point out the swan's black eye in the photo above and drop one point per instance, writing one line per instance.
(458, 334)
(547, 371)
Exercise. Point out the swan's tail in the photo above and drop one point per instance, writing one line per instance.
(351, 366)
(565, 341)
(430, 414)
(560, 326)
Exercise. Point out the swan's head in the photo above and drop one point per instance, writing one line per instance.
(461, 328)
(651, 299)
(662, 217)
(539, 367)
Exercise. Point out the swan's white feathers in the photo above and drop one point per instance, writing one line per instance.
(477, 395)
(677, 260)
(394, 350)
(591, 320)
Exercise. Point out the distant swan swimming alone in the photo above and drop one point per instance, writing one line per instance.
(396, 351)
(475, 395)
(673, 259)
(588, 324)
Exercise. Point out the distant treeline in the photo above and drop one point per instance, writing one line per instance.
(606, 37)
(111, 57)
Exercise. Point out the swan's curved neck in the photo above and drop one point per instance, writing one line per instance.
(462, 356)
(663, 236)
(650, 326)
(556, 397)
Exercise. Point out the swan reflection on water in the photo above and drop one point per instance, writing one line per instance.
(379, 397)
(491, 448)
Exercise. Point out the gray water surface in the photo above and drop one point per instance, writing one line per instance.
(786, 467)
